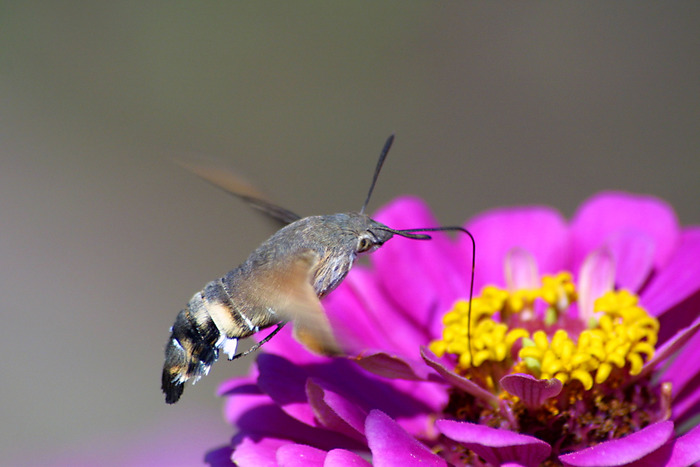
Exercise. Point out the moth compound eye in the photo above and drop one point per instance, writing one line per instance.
(365, 244)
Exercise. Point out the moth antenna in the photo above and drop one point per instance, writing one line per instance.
(409, 233)
(380, 162)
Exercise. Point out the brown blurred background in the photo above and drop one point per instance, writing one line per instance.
(103, 239)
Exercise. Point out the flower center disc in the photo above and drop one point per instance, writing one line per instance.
(538, 332)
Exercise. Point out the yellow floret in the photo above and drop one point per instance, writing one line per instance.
(621, 339)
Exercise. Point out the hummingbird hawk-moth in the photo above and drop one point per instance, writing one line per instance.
(283, 280)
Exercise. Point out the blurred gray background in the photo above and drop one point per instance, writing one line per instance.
(103, 239)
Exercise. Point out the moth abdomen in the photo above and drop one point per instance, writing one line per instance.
(212, 321)
(190, 352)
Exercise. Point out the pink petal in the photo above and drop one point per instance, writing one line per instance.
(258, 453)
(342, 458)
(634, 259)
(610, 213)
(388, 366)
(237, 407)
(669, 348)
(688, 405)
(267, 419)
(391, 445)
(685, 366)
(678, 317)
(679, 279)
(521, 270)
(597, 277)
(367, 311)
(423, 398)
(220, 457)
(540, 230)
(285, 383)
(335, 412)
(403, 400)
(624, 450)
(456, 380)
(359, 310)
(241, 385)
(300, 455)
(495, 445)
(532, 391)
(681, 452)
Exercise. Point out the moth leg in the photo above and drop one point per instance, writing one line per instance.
(260, 344)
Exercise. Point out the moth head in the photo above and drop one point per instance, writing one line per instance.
(376, 234)
(372, 238)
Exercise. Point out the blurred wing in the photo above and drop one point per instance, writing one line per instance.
(239, 187)
(287, 290)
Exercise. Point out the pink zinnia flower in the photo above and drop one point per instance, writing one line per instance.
(582, 352)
